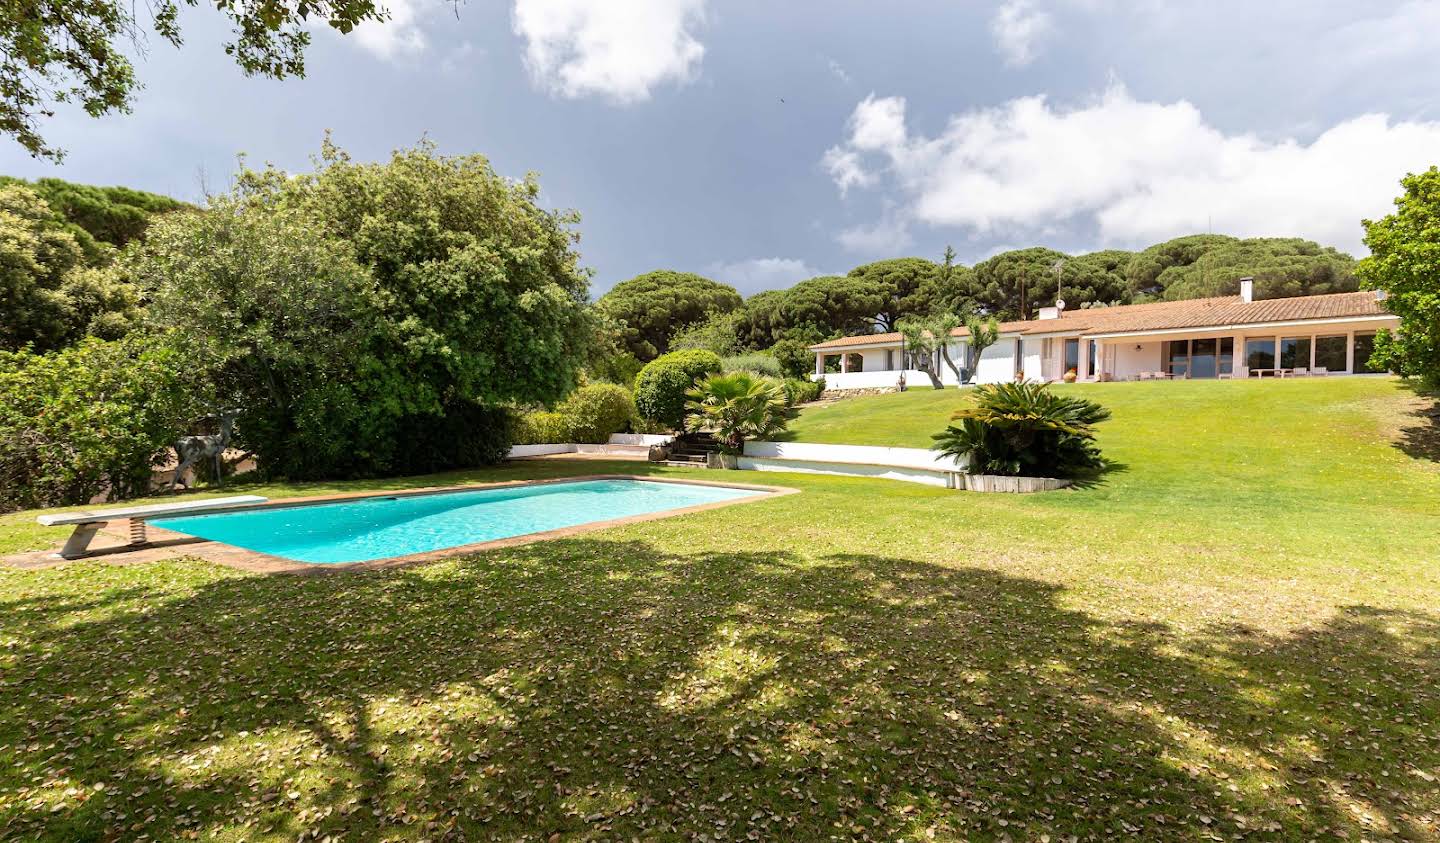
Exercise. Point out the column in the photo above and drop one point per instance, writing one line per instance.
(1099, 360)
(844, 363)
(820, 363)
(1237, 354)
(1350, 352)
(1082, 369)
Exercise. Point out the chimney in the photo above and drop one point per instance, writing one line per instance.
(1247, 289)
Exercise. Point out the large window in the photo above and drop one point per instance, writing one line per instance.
(1072, 356)
(1364, 345)
(1260, 354)
(1330, 353)
(1094, 369)
(1203, 358)
(1227, 355)
(1295, 353)
(1177, 358)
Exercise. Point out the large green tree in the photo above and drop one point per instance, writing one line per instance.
(1036, 276)
(651, 308)
(903, 288)
(50, 294)
(345, 309)
(74, 51)
(1404, 262)
(96, 215)
(1206, 265)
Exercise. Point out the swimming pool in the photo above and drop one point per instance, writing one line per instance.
(372, 528)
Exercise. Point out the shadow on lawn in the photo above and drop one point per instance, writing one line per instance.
(1421, 438)
(604, 689)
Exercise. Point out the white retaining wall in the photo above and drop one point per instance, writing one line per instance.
(913, 465)
(620, 443)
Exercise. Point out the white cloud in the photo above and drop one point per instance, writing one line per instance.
(619, 50)
(399, 35)
(756, 274)
(1138, 171)
(885, 238)
(838, 71)
(1019, 28)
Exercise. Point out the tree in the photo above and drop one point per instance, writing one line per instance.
(904, 287)
(1208, 265)
(651, 308)
(661, 386)
(343, 308)
(718, 333)
(74, 51)
(927, 339)
(95, 215)
(984, 332)
(1404, 262)
(1003, 281)
(831, 305)
(738, 406)
(94, 418)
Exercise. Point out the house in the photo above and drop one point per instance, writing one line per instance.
(1228, 336)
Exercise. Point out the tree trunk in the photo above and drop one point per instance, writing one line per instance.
(945, 352)
(934, 378)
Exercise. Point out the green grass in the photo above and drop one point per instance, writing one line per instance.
(1235, 634)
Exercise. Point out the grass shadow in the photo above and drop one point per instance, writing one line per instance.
(1420, 435)
(602, 688)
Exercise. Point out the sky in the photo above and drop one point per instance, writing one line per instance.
(761, 143)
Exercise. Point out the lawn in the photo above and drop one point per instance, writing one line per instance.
(1233, 634)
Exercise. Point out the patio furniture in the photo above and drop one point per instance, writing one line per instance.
(87, 524)
(1238, 373)
(1320, 371)
(1143, 376)
(1297, 372)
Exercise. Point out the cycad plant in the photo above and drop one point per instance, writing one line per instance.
(1024, 429)
(736, 406)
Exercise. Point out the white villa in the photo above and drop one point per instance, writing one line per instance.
(1224, 337)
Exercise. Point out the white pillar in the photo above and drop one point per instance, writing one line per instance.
(844, 362)
(1350, 353)
(1237, 354)
(819, 362)
(1099, 360)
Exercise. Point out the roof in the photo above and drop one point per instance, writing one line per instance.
(1170, 315)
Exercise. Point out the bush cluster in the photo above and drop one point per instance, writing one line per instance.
(661, 386)
(1025, 430)
(755, 362)
(588, 416)
(802, 390)
(92, 419)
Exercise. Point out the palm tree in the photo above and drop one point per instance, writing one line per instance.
(736, 406)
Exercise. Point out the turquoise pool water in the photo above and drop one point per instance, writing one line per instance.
(379, 528)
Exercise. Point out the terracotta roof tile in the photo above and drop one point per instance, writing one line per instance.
(1168, 315)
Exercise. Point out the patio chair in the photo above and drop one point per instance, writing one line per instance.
(1320, 371)
(1238, 373)
(1297, 372)
(1144, 376)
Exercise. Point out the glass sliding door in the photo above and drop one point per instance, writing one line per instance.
(1204, 362)
(1177, 358)
(1295, 353)
(1227, 355)
(1330, 353)
(1260, 354)
(1072, 357)
(1364, 346)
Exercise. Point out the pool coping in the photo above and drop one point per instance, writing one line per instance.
(252, 561)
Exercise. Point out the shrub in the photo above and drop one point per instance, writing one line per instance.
(595, 411)
(589, 415)
(661, 386)
(756, 362)
(795, 358)
(738, 406)
(465, 435)
(801, 390)
(94, 418)
(1024, 429)
(539, 427)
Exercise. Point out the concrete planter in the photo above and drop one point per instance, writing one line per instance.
(1011, 485)
(727, 461)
